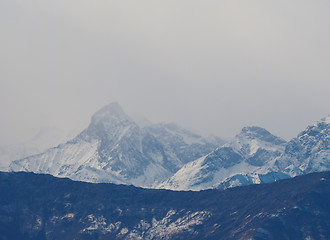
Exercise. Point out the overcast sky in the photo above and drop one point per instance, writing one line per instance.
(215, 66)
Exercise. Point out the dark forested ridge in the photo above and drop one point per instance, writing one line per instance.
(37, 206)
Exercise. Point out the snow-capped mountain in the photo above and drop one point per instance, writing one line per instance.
(250, 150)
(186, 145)
(255, 156)
(115, 149)
(308, 152)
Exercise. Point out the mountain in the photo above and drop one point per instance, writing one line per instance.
(308, 152)
(42, 207)
(255, 156)
(117, 149)
(114, 148)
(185, 144)
(251, 150)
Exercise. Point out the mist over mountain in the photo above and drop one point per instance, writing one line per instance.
(252, 77)
(116, 149)
(113, 148)
(47, 137)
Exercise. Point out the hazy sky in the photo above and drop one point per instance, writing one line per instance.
(215, 66)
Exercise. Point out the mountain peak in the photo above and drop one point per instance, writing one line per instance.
(317, 129)
(108, 122)
(110, 112)
(254, 129)
(254, 132)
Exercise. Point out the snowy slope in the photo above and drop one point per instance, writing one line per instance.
(250, 151)
(255, 156)
(308, 152)
(115, 149)
(182, 145)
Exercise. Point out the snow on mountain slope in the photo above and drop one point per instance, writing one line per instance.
(256, 156)
(251, 150)
(184, 145)
(308, 152)
(115, 149)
